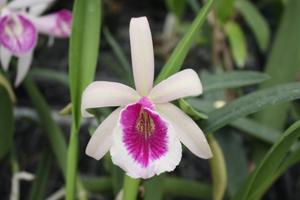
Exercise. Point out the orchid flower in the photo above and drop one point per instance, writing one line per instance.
(144, 134)
(20, 24)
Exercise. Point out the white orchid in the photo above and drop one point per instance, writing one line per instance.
(20, 24)
(143, 135)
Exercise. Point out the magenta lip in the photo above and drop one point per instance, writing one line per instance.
(17, 43)
(144, 133)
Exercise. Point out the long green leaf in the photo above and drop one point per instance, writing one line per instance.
(95, 184)
(173, 186)
(6, 122)
(165, 186)
(256, 129)
(235, 158)
(283, 62)
(50, 127)
(238, 43)
(269, 165)
(83, 53)
(256, 22)
(233, 79)
(41, 74)
(250, 126)
(251, 103)
(175, 62)
(38, 190)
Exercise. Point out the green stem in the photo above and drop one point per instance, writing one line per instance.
(130, 188)
(72, 163)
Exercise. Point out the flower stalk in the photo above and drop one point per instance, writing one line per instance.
(131, 187)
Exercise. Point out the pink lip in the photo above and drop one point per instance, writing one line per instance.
(144, 132)
(18, 40)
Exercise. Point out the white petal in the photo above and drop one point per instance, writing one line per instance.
(101, 140)
(166, 163)
(141, 54)
(24, 62)
(105, 94)
(37, 10)
(5, 57)
(17, 4)
(182, 84)
(188, 131)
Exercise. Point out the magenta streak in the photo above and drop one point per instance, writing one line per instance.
(142, 147)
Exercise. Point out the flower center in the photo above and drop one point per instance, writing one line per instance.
(145, 124)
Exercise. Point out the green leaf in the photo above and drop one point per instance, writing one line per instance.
(41, 74)
(249, 104)
(235, 158)
(256, 22)
(176, 7)
(6, 122)
(165, 186)
(233, 79)
(84, 46)
(97, 184)
(256, 129)
(237, 41)
(218, 169)
(154, 188)
(224, 9)
(50, 127)
(175, 62)
(173, 186)
(38, 190)
(83, 54)
(188, 109)
(247, 125)
(270, 164)
(283, 62)
(5, 83)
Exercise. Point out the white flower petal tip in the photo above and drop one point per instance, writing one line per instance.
(17, 34)
(101, 140)
(142, 55)
(24, 63)
(57, 24)
(106, 94)
(182, 84)
(5, 57)
(144, 144)
(187, 130)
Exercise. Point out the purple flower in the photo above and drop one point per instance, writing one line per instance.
(20, 23)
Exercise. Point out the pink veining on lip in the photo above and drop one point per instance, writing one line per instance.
(17, 34)
(144, 132)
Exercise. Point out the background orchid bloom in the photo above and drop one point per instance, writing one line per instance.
(143, 135)
(20, 24)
